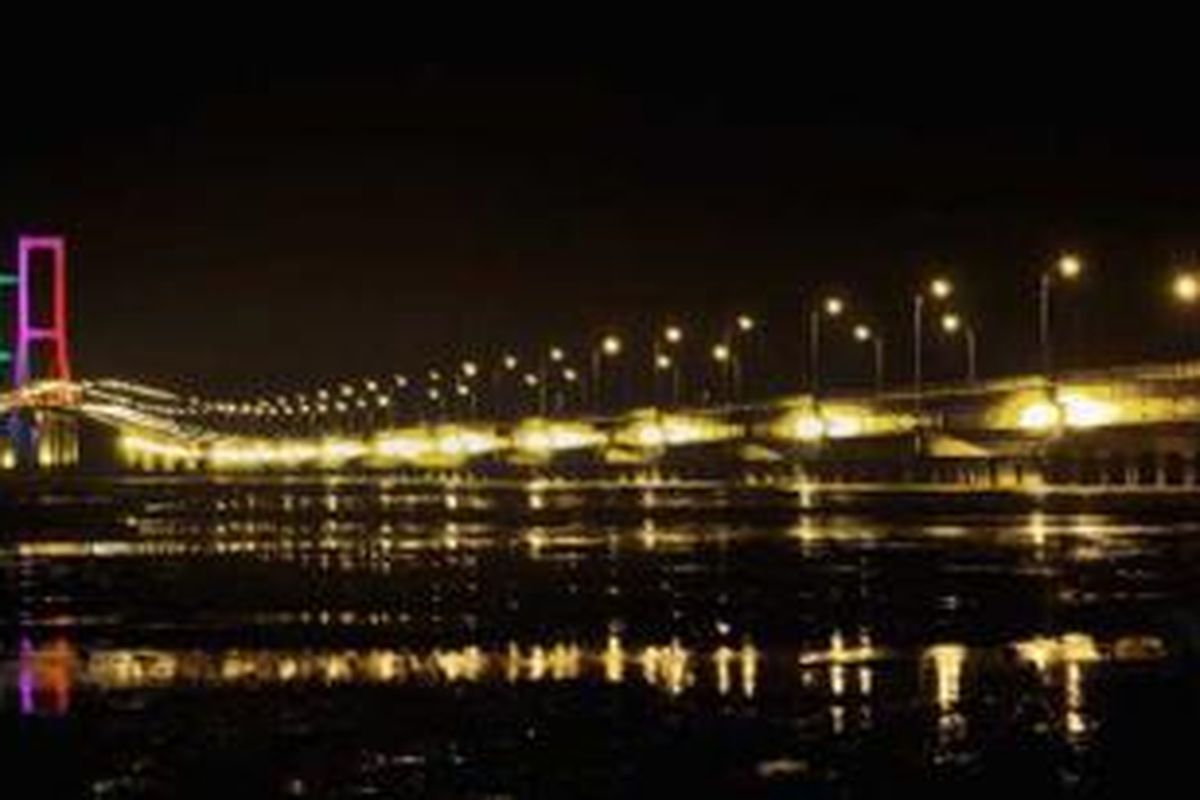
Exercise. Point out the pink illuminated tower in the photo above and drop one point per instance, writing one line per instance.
(28, 331)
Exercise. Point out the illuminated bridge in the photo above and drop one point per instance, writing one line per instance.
(1127, 427)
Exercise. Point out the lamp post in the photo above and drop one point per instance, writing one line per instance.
(1068, 267)
(831, 307)
(722, 354)
(743, 325)
(609, 347)
(663, 363)
(939, 289)
(672, 339)
(570, 379)
(555, 355)
(532, 381)
(865, 335)
(504, 371)
(952, 324)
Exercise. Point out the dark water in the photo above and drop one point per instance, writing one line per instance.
(347, 640)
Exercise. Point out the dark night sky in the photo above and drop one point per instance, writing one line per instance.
(267, 222)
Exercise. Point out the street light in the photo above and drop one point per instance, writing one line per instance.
(672, 335)
(722, 354)
(951, 324)
(1068, 267)
(833, 308)
(1186, 287)
(938, 289)
(610, 347)
(664, 363)
(742, 325)
(864, 335)
(533, 382)
(557, 356)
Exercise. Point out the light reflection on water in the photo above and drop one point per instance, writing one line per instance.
(45, 676)
(819, 626)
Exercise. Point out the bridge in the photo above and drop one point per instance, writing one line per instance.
(1133, 426)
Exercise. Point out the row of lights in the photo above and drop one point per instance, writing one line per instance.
(666, 359)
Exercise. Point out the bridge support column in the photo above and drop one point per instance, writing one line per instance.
(1131, 472)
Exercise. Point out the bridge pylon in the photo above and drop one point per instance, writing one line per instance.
(29, 330)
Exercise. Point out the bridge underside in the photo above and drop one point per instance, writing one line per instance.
(1165, 456)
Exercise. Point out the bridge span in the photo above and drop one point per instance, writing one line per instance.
(1132, 426)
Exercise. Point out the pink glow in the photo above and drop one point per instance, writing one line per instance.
(57, 331)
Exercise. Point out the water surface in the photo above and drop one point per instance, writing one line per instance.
(346, 639)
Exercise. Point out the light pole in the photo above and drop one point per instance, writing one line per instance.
(951, 324)
(609, 347)
(742, 325)
(533, 383)
(664, 363)
(726, 368)
(864, 334)
(672, 338)
(570, 379)
(470, 370)
(939, 289)
(1068, 267)
(833, 308)
(1185, 289)
(505, 369)
(555, 355)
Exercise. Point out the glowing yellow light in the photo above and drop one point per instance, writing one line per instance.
(611, 345)
(651, 435)
(941, 288)
(557, 354)
(951, 323)
(538, 439)
(808, 428)
(510, 362)
(470, 369)
(673, 334)
(371, 387)
(434, 394)
(1073, 410)
(334, 451)
(745, 323)
(530, 379)
(662, 361)
(1086, 412)
(570, 375)
(404, 446)
(843, 427)
(462, 390)
(1186, 287)
(862, 333)
(948, 662)
(1069, 266)
(1039, 416)
(720, 352)
(834, 306)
